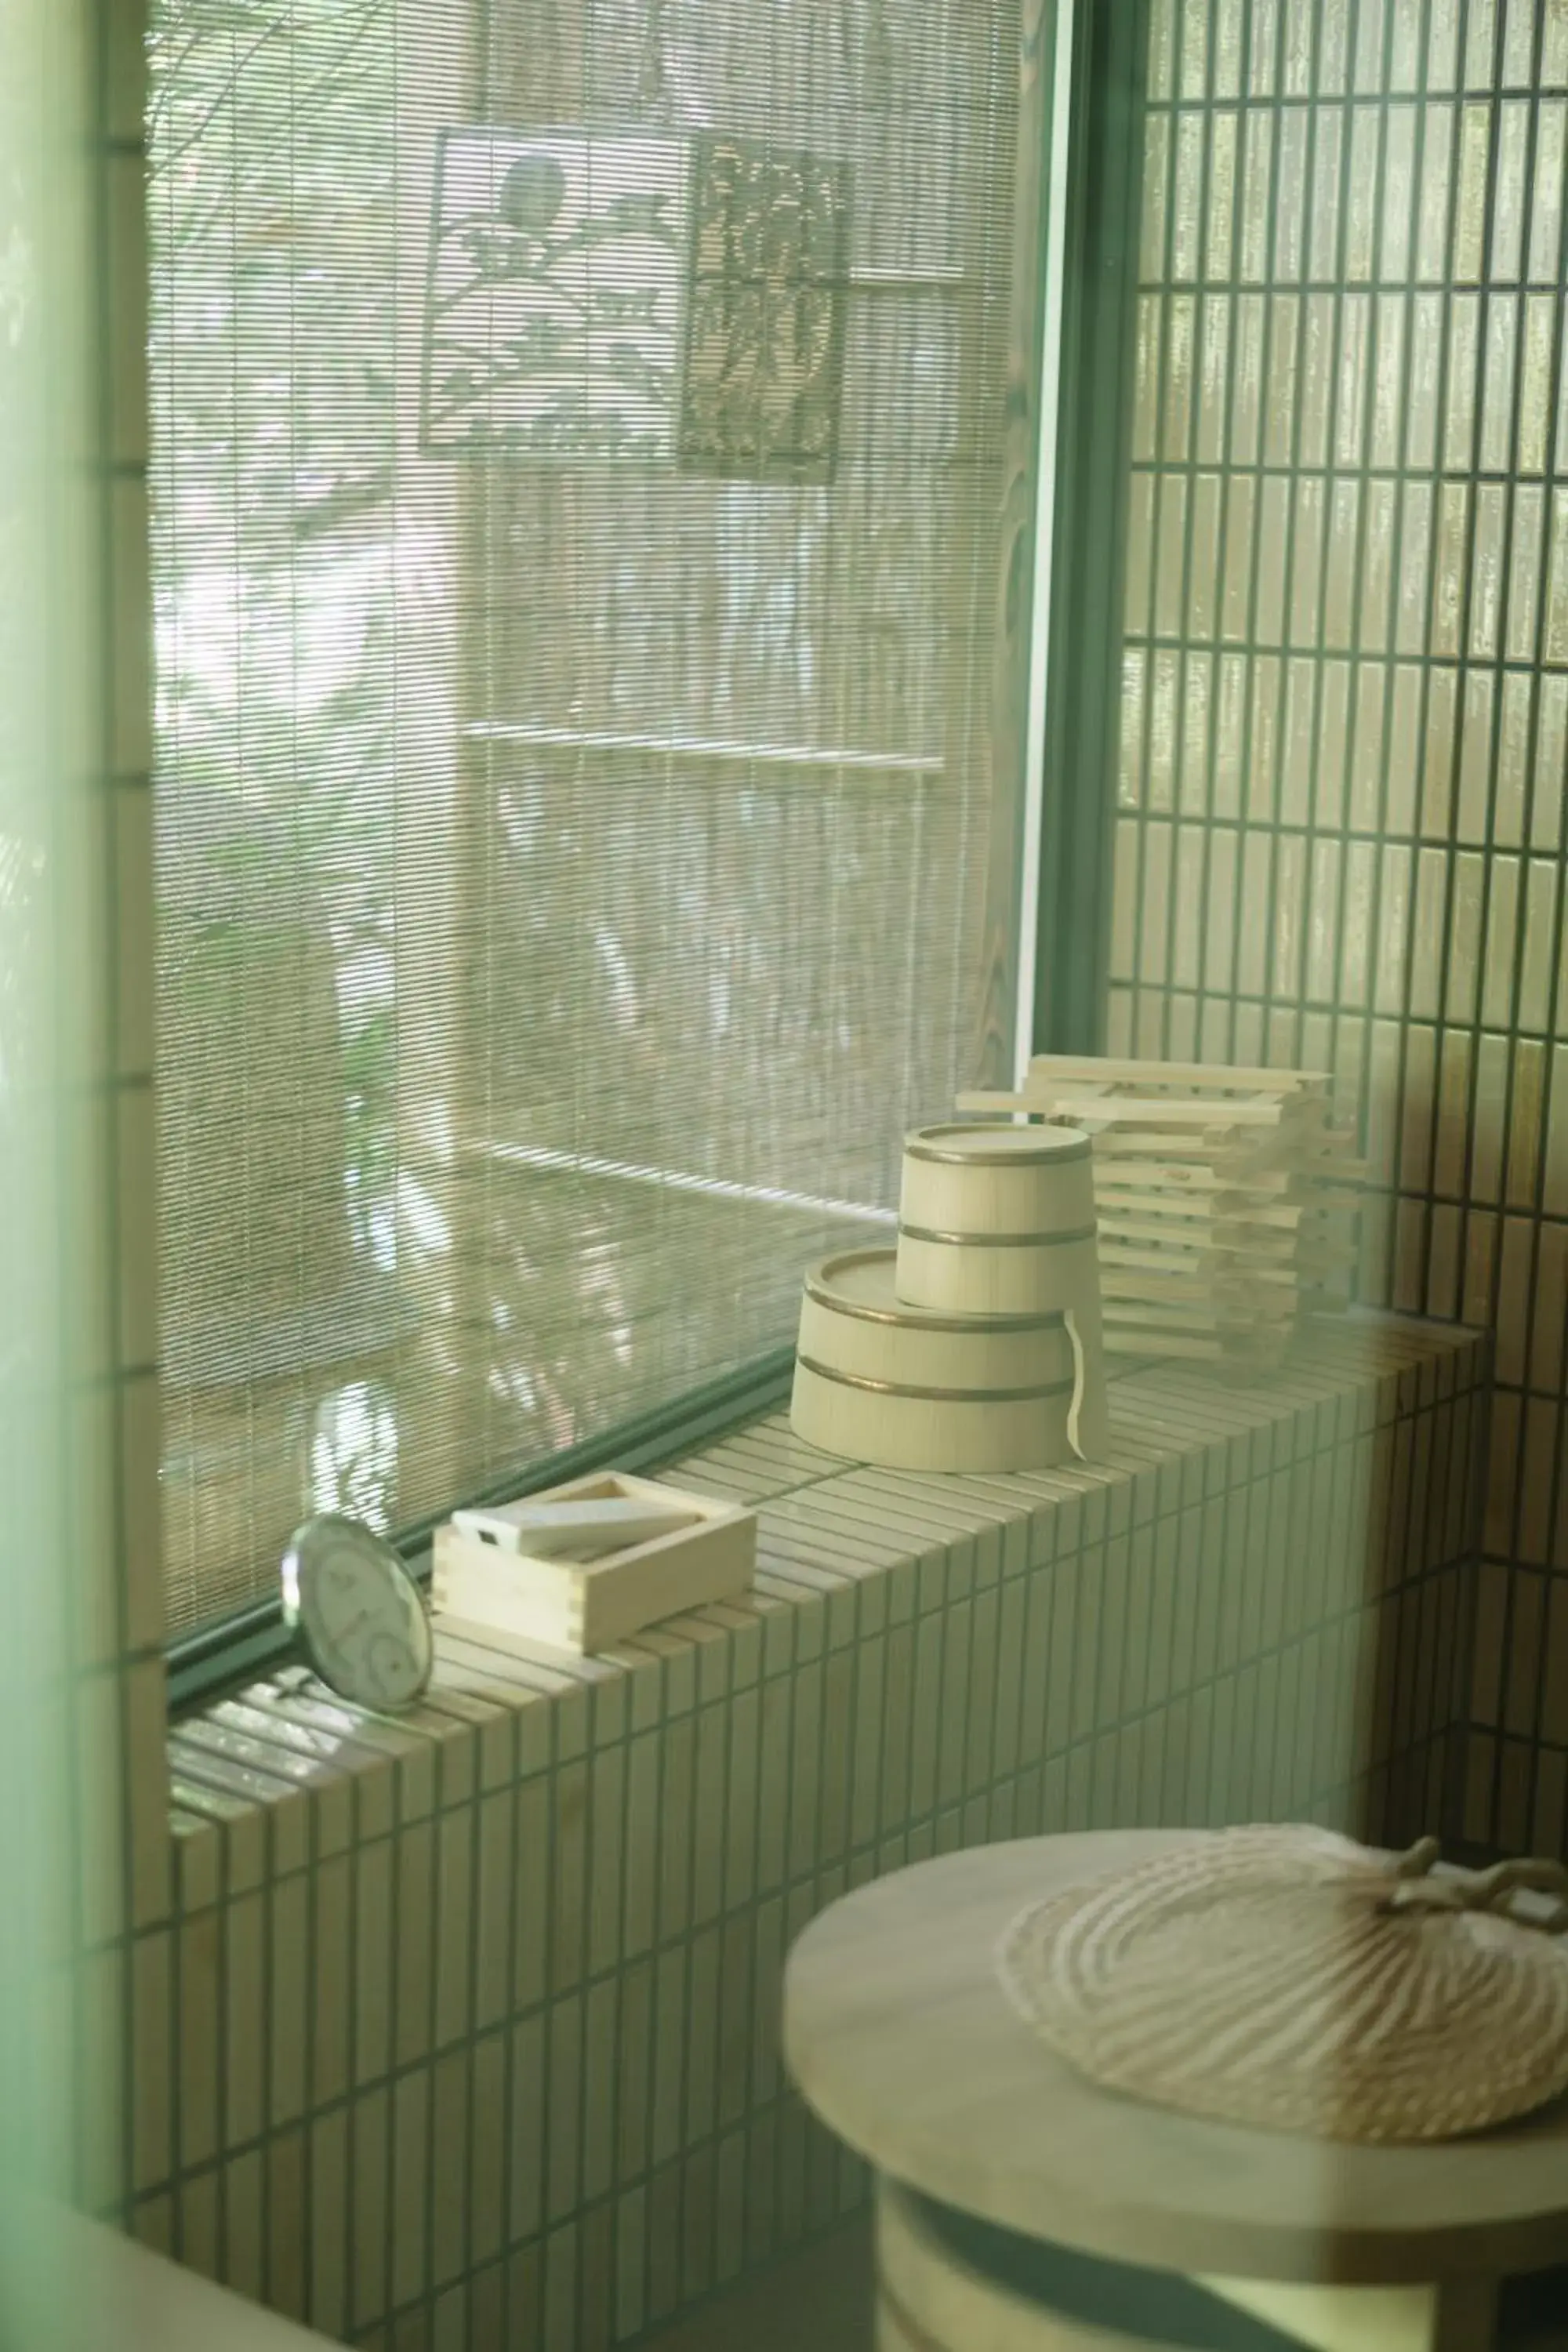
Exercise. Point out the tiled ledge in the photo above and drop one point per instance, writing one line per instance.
(273, 1778)
(479, 2006)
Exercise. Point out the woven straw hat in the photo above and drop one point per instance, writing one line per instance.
(1287, 1978)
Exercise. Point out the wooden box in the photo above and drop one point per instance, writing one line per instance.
(587, 1605)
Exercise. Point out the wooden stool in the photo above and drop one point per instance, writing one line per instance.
(1021, 2209)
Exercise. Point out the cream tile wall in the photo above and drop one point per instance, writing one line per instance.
(464, 2030)
(1345, 719)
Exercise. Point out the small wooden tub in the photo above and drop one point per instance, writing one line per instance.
(998, 1220)
(878, 1380)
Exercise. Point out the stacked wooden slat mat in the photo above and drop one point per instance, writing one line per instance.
(1226, 1199)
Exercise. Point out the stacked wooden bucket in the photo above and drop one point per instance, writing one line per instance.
(976, 1344)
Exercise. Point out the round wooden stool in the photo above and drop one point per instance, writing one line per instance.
(1019, 2208)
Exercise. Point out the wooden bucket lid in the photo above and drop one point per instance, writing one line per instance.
(994, 1144)
(1288, 1979)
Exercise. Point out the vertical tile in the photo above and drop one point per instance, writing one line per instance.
(711, 1773)
(699, 2088)
(675, 1828)
(141, 1549)
(595, 2319)
(144, 1721)
(980, 1698)
(109, 2075)
(952, 1727)
(369, 2149)
(196, 2223)
(600, 2025)
(196, 2007)
(530, 1893)
(152, 2058)
(561, 2275)
(641, 1853)
(454, 1915)
(331, 2006)
(448, 2330)
(492, 1908)
(631, 2257)
(409, 2217)
(329, 2174)
(741, 1841)
(527, 2127)
(242, 2223)
(563, 2106)
(664, 2242)
(568, 1870)
(766, 2002)
(242, 1925)
(866, 1733)
(372, 1942)
(289, 1948)
(487, 2149)
(668, 2052)
(448, 2142)
(925, 1707)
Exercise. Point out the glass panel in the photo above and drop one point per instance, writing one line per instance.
(578, 496)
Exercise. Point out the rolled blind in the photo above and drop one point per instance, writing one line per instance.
(579, 485)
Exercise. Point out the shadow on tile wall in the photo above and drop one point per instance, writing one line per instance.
(1341, 836)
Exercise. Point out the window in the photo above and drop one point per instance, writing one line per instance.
(585, 794)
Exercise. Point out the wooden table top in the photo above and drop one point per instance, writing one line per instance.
(901, 2038)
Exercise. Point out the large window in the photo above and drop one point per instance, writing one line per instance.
(580, 480)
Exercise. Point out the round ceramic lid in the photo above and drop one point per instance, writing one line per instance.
(1288, 1979)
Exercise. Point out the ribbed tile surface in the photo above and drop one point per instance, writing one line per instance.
(465, 2033)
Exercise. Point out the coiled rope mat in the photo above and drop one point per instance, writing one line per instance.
(1290, 1978)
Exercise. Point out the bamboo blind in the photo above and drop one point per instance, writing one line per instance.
(574, 806)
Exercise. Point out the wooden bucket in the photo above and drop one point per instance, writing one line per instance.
(981, 1175)
(1000, 1220)
(996, 1220)
(879, 1381)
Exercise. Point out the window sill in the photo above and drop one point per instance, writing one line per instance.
(275, 1767)
(1254, 1608)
